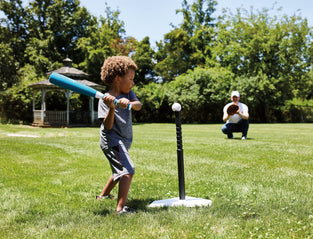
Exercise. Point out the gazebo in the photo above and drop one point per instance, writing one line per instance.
(44, 117)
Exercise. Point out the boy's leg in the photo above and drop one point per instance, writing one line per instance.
(123, 170)
(124, 185)
(109, 186)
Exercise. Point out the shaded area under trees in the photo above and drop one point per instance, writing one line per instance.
(198, 63)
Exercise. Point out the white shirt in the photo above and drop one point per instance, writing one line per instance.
(235, 118)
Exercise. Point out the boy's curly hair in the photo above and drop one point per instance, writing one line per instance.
(116, 66)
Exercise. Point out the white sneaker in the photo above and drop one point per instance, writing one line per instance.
(243, 138)
(126, 210)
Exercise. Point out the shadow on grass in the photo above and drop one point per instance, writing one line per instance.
(239, 138)
(140, 205)
(102, 213)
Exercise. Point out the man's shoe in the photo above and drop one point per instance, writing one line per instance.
(243, 138)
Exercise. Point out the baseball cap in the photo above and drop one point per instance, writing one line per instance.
(235, 93)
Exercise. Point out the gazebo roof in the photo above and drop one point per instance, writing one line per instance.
(71, 72)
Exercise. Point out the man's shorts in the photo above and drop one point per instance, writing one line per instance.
(119, 160)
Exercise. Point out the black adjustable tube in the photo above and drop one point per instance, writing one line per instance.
(180, 157)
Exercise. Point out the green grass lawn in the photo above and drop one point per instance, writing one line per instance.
(260, 188)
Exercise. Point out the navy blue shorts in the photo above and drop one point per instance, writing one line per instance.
(120, 161)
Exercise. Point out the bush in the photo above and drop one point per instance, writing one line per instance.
(297, 111)
(16, 102)
(16, 105)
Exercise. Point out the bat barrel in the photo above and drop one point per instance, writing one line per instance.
(70, 84)
(73, 85)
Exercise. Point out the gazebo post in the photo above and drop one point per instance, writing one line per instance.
(34, 107)
(43, 105)
(68, 96)
(91, 105)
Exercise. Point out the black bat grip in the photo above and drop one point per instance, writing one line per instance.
(180, 157)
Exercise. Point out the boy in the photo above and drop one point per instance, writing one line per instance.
(116, 128)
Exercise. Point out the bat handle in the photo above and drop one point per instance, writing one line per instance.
(129, 106)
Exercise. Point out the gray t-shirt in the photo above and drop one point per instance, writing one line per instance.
(122, 127)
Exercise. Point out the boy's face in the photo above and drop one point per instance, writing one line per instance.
(127, 81)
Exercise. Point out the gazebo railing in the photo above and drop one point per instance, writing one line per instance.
(37, 116)
(49, 117)
(56, 117)
(46, 118)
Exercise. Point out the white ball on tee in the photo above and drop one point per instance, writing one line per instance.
(176, 107)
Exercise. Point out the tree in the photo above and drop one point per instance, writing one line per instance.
(54, 28)
(188, 45)
(143, 57)
(269, 55)
(44, 32)
(104, 41)
(16, 101)
(174, 56)
(13, 37)
(14, 27)
(202, 92)
(155, 105)
(8, 67)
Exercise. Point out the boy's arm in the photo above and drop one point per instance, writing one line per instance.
(108, 121)
(136, 105)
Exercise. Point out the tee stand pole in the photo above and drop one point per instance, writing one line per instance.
(182, 200)
(180, 157)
